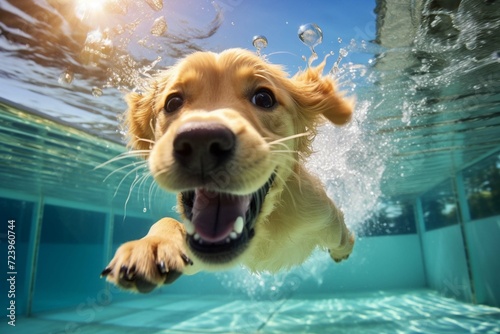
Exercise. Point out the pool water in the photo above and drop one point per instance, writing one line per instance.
(409, 311)
(417, 171)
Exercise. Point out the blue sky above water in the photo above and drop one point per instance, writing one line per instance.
(279, 22)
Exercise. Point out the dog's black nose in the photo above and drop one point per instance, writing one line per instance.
(201, 147)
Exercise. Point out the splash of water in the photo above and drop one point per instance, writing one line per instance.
(350, 164)
(311, 35)
(342, 54)
(276, 287)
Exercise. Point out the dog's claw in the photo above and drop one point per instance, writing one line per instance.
(186, 259)
(128, 274)
(131, 273)
(106, 272)
(171, 275)
(162, 268)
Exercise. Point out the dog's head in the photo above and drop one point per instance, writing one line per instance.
(226, 131)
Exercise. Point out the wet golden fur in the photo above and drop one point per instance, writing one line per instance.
(297, 216)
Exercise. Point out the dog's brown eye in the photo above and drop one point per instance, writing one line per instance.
(263, 98)
(174, 102)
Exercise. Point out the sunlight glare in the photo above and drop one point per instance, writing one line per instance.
(86, 8)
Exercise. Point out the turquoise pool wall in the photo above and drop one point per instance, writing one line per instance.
(460, 234)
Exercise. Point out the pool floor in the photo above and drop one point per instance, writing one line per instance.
(419, 311)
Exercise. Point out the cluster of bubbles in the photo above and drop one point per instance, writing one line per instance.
(311, 35)
(278, 286)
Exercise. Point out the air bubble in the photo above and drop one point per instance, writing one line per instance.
(156, 5)
(96, 91)
(159, 27)
(339, 40)
(311, 35)
(144, 210)
(259, 42)
(66, 78)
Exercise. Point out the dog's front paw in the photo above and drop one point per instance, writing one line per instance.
(342, 253)
(145, 264)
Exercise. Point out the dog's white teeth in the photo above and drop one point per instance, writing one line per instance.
(233, 235)
(238, 225)
(196, 236)
(189, 226)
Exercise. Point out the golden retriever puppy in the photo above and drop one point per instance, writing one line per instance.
(229, 133)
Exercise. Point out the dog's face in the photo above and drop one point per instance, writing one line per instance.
(221, 130)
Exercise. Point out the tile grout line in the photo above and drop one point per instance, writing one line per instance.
(271, 315)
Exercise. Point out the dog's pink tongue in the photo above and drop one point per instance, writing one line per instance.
(214, 213)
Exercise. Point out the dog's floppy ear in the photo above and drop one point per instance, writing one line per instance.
(140, 118)
(316, 95)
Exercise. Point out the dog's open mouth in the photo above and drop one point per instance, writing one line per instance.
(220, 224)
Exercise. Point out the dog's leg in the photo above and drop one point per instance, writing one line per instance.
(158, 258)
(340, 241)
(331, 232)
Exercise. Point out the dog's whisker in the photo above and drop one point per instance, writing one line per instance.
(284, 151)
(139, 182)
(146, 140)
(280, 145)
(124, 155)
(142, 180)
(280, 157)
(134, 170)
(151, 126)
(152, 187)
(303, 134)
(137, 164)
